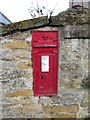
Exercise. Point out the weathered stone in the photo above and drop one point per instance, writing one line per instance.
(20, 35)
(86, 81)
(18, 93)
(64, 108)
(76, 31)
(16, 54)
(66, 45)
(75, 56)
(43, 118)
(83, 112)
(24, 65)
(13, 74)
(10, 101)
(29, 100)
(68, 97)
(65, 57)
(8, 65)
(74, 16)
(47, 108)
(65, 67)
(14, 85)
(12, 111)
(65, 116)
(85, 65)
(85, 100)
(17, 45)
(1, 110)
(48, 116)
(32, 108)
(70, 83)
(45, 100)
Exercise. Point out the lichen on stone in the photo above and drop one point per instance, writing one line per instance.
(72, 16)
(24, 25)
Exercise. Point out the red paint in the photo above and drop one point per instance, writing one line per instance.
(45, 43)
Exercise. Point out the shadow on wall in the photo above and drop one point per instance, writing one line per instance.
(86, 82)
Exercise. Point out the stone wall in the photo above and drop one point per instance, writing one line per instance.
(16, 76)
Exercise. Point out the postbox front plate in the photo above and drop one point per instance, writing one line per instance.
(45, 62)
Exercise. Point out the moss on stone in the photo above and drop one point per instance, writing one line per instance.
(24, 25)
(72, 16)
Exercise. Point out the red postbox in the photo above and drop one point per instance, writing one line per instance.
(45, 62)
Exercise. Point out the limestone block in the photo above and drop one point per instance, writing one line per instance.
(85, 65)
(65, 67)
(68, 97)
(20, 36)
(65, 50)
(10, 101)
(15, 73)
(65, 116)
(75, 56)
(85, 100)
(68, 67)
(70, 83)
(22, 92)
(61, 109)
(11, 111)
(76, 31)
(64, 108)
(66, 44)
(76, 66)
(16, 54)
(31, 108)
(44, 99)
(71, 80)
(13, 85)
(48, 116)
(24, 65)
(64, 57)
(83, 112)
(75, 45)
(17, 45)
(8, 65)
(29, 100)
(47, 108)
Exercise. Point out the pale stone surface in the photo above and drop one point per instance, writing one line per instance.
(1, 100)
(65, 116)
(61, 109)
(22, 92)
(24, 64)
(69, 108)
(16, 54)
(17, 45)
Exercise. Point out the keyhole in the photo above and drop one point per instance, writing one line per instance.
(42, 76)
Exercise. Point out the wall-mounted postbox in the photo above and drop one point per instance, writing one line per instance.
(45, 62)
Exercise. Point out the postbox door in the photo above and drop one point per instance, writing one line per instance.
(44, 74)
